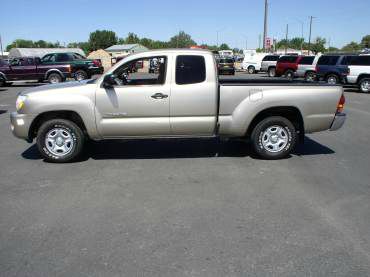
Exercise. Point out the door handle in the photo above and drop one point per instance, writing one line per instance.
(159, 96)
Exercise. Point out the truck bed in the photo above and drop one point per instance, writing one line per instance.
(268, 82)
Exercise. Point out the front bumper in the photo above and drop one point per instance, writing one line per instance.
(20, 125)
(338, 122)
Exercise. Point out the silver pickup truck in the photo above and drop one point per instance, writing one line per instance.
(174, 94)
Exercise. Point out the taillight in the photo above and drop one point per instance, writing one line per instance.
(96, 63)
(69, 68)
(340, 106)
(316, 69)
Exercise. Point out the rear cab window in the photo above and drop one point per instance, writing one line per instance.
(190, 69)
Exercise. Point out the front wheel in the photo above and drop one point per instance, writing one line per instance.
(365, 85)
(272, 72)
(274, 138)
(60, 141)
(310, 77)
(289, 74)
(251, 69)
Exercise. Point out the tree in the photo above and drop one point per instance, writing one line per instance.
(181, 40)
(352, 47)
(296, 43)
(132, 38)
(85, 46)
(224, 46)
(20, 43)
(365, 42)
(317, 46)
(101, 39)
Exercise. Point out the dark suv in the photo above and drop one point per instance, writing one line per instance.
(82, 68)
(226, 65)
(332, 68)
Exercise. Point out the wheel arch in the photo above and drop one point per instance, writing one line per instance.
(60, 114)
(53, 70)
(362, 76)
(292, 113)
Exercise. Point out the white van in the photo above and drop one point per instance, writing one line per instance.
(252, 61)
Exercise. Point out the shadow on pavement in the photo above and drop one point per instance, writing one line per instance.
(173, 149)
(3, 111)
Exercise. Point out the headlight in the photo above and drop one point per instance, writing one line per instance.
(19, 104)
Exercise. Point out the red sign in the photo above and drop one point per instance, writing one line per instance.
(268, 43)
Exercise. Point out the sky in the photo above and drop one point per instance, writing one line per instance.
(238, 23)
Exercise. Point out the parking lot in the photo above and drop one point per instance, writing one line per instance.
(188, 207)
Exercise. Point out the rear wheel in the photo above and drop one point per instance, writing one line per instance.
(310, 77)
(251, 69)
(289, 74)
(365, 85)
(272, 72)
(274, 138)
(332, 79)
(60, 140)
(54, 78)
(81, 75)
(2, 82)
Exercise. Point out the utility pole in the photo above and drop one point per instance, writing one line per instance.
(309, 38)
(1, 45)
(265, 26)
(259, 41)
(286, 38)
(217, 39)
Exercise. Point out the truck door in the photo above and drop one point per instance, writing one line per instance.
(194, 95)
(22, 69)
(138, 105)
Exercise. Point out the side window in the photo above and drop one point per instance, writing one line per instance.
(63, 57)
(307, 60)
(48, 58)
(190, 69)
(145, 71)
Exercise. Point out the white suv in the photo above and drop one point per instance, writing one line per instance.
(359, 67)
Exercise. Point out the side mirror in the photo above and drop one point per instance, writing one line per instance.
(109, 81)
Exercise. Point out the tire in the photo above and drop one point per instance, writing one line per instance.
(271, 146)
(54, 78)
(289, 74)
(272, 72)
(233, 72)
(364, 85)
(251, 69)
(332, 79)
(2, 82)
(63, 132)
(80, 75)
(310, 77)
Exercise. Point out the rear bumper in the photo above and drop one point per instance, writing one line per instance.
(338, 122)
(20, 124)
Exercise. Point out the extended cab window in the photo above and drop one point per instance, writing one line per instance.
(190, 69)
(328, 60)
(307, 60)
(48, 59)
(145, 71)
(63, 57)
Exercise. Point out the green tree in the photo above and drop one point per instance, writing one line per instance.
(224, 46)
(365, 42)
(317, 46)
(85, 46)
(20, 43)
(181, 40)
(296, 43)
(132, 38)
(352, 47)
(101, 39)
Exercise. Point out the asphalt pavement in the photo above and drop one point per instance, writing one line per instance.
(188, 207)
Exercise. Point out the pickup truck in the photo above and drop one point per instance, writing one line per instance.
(183, 99)
(31, 68)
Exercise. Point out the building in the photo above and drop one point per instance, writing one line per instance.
(125, 49)
(4, 54)
(40, 52)
(103, 56)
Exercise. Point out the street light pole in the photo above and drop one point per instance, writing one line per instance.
(309, 38)
(1, 45)
(286, 38)
(265, 26)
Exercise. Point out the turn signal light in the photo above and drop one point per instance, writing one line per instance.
(341, 103)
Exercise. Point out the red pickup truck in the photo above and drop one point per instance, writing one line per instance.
(31, 68)
(287, 65)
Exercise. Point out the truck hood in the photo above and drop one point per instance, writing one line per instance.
(55, 87)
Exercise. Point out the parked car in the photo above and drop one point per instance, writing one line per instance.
(268, 64)
(31, 68)
(286, 66)
(226, 66)
(307, 68)
(252, 62)
(82, 68)
(332, 68)
(185, 99)
(359, 72)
